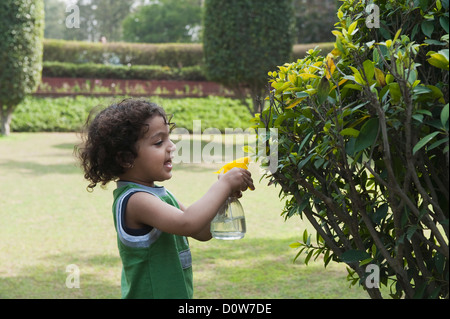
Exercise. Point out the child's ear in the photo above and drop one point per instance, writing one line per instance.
(125, 159)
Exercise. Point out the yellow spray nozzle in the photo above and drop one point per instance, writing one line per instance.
(240, 162)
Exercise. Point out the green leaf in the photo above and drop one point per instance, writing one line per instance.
(434, 42)
(444, 115)
(444, 23)
(418, 117)
(295, 245)
(397, 35)
(323, 89)
(445, 4)
(354, 255)
(385, 33)
(380, 213)
(367, 135)
(366, 261)
(427, 28)
(394, 89)
(352, 86)
(302, 94)
(369, 69)
(437, 143)
(350, 131)
(424, 112)
(423, 4)
(303, 162)
(305, 140)
(340, 46)
(424, 141)
(305, 236)
(308, 257)
(358, 78)
(352, 28)
(420, 89)
(445, 53)
(438, 60)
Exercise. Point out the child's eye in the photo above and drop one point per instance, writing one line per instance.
(159, 143)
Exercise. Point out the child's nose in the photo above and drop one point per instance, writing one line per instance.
(172, 147)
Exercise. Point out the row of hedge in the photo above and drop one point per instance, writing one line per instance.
(173, 55)
(135, 72)
(121, 53)
(68, 114)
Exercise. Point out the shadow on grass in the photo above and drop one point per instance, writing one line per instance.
(65, 146)
(264, 268)
(32, 168)
(47, 279)
(255, 268)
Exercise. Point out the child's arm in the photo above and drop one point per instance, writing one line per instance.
(146, 209)
(204, 234)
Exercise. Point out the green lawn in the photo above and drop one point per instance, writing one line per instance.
(49, 221)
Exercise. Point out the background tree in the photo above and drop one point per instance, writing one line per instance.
(314, 20)
(109, 15)
(55, 19)
(243, 40)
(21, 46)
(100, 18)
(164, 21)
(363, 146)
(97, 18)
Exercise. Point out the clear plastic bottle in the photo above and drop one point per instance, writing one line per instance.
(229, 223)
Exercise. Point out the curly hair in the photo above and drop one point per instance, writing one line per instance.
(109, 141)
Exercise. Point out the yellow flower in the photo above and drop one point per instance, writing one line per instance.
(240, 162)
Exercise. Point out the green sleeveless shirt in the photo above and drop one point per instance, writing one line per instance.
(155, 264)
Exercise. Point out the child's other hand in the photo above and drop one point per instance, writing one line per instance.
(239, 180)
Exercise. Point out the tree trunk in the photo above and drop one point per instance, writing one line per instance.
(6, 117)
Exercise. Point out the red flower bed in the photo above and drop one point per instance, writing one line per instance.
(109, 87)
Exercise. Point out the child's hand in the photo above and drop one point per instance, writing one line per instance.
(239, 180)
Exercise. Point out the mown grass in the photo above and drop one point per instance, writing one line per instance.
(48, 221)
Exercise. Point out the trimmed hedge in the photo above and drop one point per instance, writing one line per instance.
(68, 114)
(121, 53)
(133, 72)
(183, 62)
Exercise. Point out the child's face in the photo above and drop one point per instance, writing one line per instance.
(155, 153)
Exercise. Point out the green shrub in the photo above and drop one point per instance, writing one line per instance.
(363, 146)
(243, 40)
(21, 35)
(120, 53)
(163, 21)
(133, 72)
(69, 114)
(314, 20)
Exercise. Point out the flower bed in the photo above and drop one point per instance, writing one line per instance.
(51, 86)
